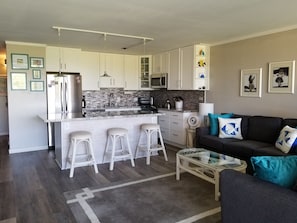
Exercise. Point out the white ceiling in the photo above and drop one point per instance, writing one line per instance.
(172, 23)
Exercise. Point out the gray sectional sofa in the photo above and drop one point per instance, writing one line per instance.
(259, 136)
(247, 199)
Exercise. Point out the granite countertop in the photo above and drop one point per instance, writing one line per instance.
(95, 115)
(174, 110)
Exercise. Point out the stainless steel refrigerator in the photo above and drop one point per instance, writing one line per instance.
(64, 95)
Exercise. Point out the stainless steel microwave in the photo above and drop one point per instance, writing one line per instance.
(159, 80)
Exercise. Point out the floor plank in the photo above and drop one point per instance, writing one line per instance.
(32, 185)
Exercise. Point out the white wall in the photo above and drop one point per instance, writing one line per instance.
(27, 132)
(226, 63)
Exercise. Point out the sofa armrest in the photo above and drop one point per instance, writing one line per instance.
(199, 132)
(246, 199)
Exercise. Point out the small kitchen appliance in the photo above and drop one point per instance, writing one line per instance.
(159, 80)
(178, 103)
(145, 104)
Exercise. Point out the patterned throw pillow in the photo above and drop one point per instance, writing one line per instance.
(230, 128)
(287, 140)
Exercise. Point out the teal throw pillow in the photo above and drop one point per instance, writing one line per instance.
(214, 123)
(281, 170)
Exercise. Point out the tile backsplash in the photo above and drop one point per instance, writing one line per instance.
(119, 97)
(191, 99)
(107, 97)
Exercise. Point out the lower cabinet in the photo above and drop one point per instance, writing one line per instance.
(173, 125)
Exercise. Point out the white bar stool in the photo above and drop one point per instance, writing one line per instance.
(121, 134)
(78, 159)
(148, 130)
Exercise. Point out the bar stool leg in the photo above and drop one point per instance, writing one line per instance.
(106, 148)
(138, 145)
(130, 152)
(73, 144)
(163, 146)
(92, 155)
(113, 142)
(148, 143)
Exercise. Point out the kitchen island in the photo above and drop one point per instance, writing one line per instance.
(96, 122)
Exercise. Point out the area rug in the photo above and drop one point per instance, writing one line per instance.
(160, 199)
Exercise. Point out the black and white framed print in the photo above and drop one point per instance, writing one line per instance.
(251, 82)
(281, 77)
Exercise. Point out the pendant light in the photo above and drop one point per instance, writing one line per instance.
(60, 60)
(144, 46)
(105, 74)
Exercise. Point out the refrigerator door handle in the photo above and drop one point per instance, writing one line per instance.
(66, 98)
(61, 96)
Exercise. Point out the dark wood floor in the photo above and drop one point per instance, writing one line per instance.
(32, 185)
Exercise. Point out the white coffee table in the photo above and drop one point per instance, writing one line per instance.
(207, 165)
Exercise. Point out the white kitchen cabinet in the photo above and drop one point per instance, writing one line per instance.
(173, 126)
(63, 59)
(189, 68)
(186, 68)
(174, 70)
(89, 70)
(113, 65)
(160, 63)
(131, 69)
(163, 121)
(145, 72)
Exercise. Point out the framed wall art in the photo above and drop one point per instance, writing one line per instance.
(36, 62)
(18, 81)
(36, 74)
(36, 85)
(19, 61)
(251, 82)
(281, 77)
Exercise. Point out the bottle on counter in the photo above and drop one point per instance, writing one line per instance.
(167, 104)
(83, 102)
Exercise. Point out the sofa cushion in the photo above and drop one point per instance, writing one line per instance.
(292, 122)
(280, 170)
(243, 148)
(230, 128)
(287, 140)
(214, 124)
(264, 129)
(214, 143)
(268, 151)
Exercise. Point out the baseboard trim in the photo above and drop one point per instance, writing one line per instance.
(27, 149)
(3, 133)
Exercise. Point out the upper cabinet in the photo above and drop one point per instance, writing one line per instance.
(161, 63)
(62, 59)
(89, 62)
(145, 72)
(113, 66)
(131, 69)
(174, 70)
(189, 68)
